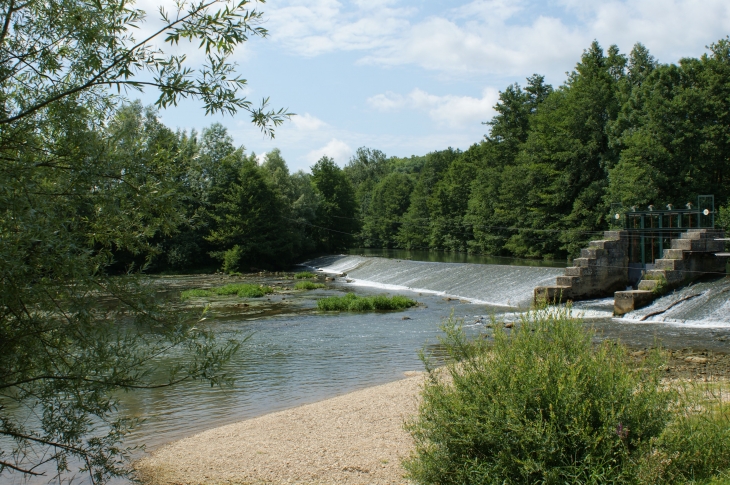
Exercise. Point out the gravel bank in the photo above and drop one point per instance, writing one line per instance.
(357, 438)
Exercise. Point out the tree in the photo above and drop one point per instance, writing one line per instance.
(390, 200)
(73, 195)
(336, 223)
(674, 133)
(248, 223)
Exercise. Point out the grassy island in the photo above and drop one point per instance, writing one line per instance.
(307, 285)
(244, 290)
(353, 303)
(304, 274)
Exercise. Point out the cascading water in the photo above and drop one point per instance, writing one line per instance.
(491, 284)
(705, 304)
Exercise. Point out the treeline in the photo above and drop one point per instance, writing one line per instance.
(235, 212)
(621, 129)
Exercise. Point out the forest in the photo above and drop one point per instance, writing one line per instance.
(622, 129)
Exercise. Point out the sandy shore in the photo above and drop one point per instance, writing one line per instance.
(357, 438)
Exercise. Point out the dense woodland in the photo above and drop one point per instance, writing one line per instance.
(234, 213)
(621, 129)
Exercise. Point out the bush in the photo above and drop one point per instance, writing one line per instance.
(241, 289)
(542, 404)
(232, 259)
(307, 285)
(353, 303)
(304, 274)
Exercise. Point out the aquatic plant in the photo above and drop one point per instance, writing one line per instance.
(245, 290)
(543, 404)
(307, 285)
(304, 274)
(354, 303)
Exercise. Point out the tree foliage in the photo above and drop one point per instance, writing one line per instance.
(87, 189)
(620, 129)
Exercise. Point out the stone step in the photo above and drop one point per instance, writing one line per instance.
(592, 253)
(575, 271)
(553, 294)
(701, 234)
(626, 301)
(690, 235)
(606, 244)
(568, 281)
(669, 264)
(585, 262)
(673, 254)
(689, 244)
(656, 273)
(648, 285)
(699, 245)
(614, 235)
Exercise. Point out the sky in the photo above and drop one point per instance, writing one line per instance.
(412, 76)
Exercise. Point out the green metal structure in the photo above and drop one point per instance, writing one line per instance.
(651, 230)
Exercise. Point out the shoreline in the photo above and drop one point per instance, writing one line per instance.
(353, 438)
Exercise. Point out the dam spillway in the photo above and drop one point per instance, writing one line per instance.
(490, 284)
(703, 304)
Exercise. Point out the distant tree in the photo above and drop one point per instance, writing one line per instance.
(390, 200)
(249, 229)
(415, 231)
(336, 222)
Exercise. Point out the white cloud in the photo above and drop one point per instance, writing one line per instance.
(313, 27)
(504, 37)
(449, 110)
(336, 149)
(307, 122)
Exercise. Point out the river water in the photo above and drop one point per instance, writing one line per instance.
(296, 355)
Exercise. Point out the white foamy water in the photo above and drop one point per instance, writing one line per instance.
(491, 284)
(705, 304)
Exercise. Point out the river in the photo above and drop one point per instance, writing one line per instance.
(296, 355)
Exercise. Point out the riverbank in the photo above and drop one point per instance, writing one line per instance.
(355, 438)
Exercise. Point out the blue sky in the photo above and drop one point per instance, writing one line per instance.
(412, 76)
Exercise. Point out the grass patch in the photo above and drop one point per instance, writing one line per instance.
(542, 404)
(243, 290)
(353, 303)
(304, 274)
(307, 285)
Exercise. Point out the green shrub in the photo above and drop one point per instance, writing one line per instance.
(232, 259)
(244, 290)
(304, 274)
(307, 285)
(542, 404)
(353, 303)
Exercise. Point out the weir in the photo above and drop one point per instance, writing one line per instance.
(491, 284)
